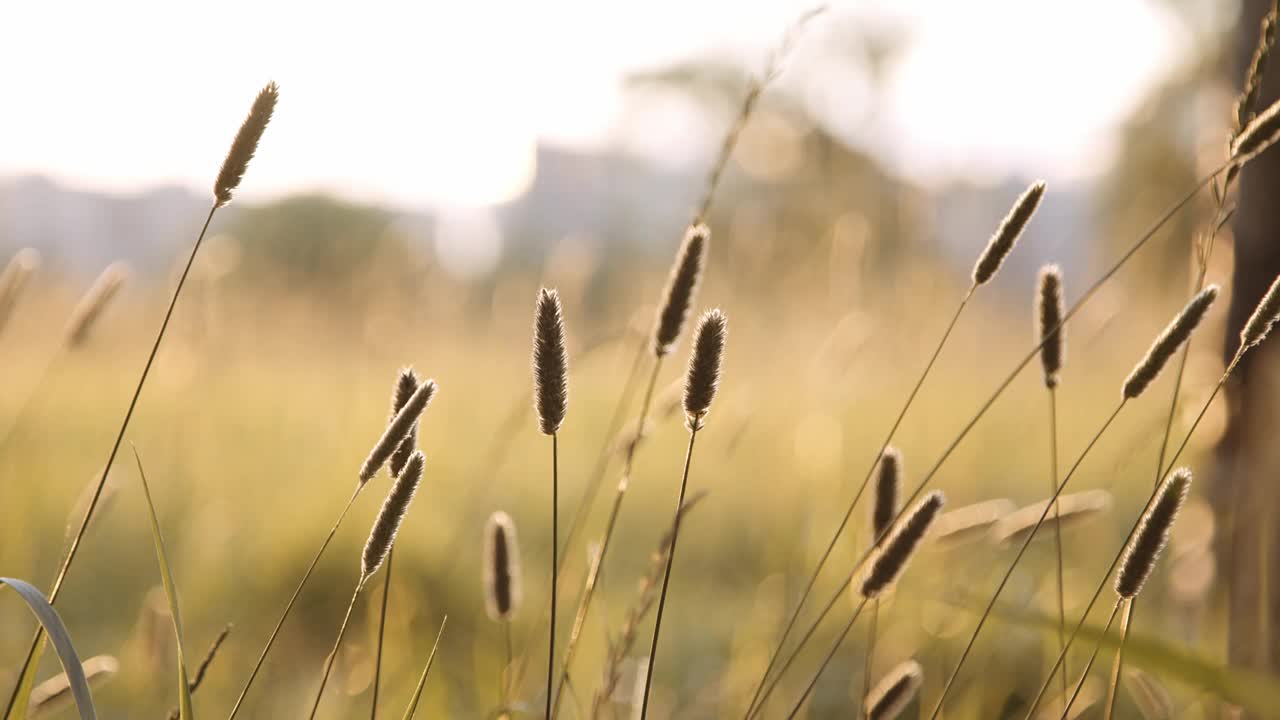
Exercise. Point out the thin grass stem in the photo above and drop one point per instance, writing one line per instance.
(288, 608)
(1057, 526)
(827, 661)
(666, 578)
(337, 643)
(1093, 656)
(382, 626)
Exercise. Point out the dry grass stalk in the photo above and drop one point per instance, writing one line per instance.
(703, 377)
(682, 285)
(1002, 242)
(397, 430)
(646, 598)
(550, 363)
(94, 301)
(245, 144)
(203, 668)
(502, 578)
(387, 524)
(892, 556)
(1153, 534)
(1052, 335)
(894, 691)
(1257, 136)
(1244, 110)
(1168, 342)
(1068, 510)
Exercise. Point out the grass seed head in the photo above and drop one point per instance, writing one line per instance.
(550, 363)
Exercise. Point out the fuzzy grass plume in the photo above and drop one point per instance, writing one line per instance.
(894, 692)
(94, 302)
(397, 430)
(888, 488)
(677, 299)
(550, 363)
(406, 386)
(890, 560)
(245, 144)
(703, 377)
(1049, 312)
(1264, 317)
(502, 579)
(1168, 342)
(390, 516)
(1001, 243)
(1143, 551)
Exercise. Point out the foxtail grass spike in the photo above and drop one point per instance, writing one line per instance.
(397, 430)
(889, 561)
(1006, 235)
(888, 488)
(406, 385)
(550, 363)
(502, 580)
(1263, 318)
(1168, 342)
(703, 377)
(390, 516)
(894, 692)
(1153, 534)
(95, 300)
(1258, 135)
(1049, 312)
(245, 144)
(677, 299)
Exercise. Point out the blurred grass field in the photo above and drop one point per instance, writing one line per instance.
(265, 399)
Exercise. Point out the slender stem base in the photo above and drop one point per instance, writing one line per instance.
(666, 578)
(1057, 526)
(382, 627)
(337, 644)
(555, 565)
(288, 608)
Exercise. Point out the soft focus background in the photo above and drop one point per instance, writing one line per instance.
(430, 166)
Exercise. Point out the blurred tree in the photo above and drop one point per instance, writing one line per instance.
(316, 240)
(1245, 491)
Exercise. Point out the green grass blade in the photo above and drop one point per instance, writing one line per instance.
(171, 593)
(422, 682)
(57, 632)
(1241, 686)
(22, 693)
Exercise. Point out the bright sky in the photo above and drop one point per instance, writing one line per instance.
(432, 103)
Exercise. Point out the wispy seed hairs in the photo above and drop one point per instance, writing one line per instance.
(888, 487)
(406, 385)
(502, 589)
(397, 430)
(703, 377)
(1153, 534)
(894, 553)
(894, 692)
(245, 144)
(1168, 342)
(1263, 318)
(550, 363)
(683, 283)
(1049, 312)
(390, 516)
(1006, 235)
